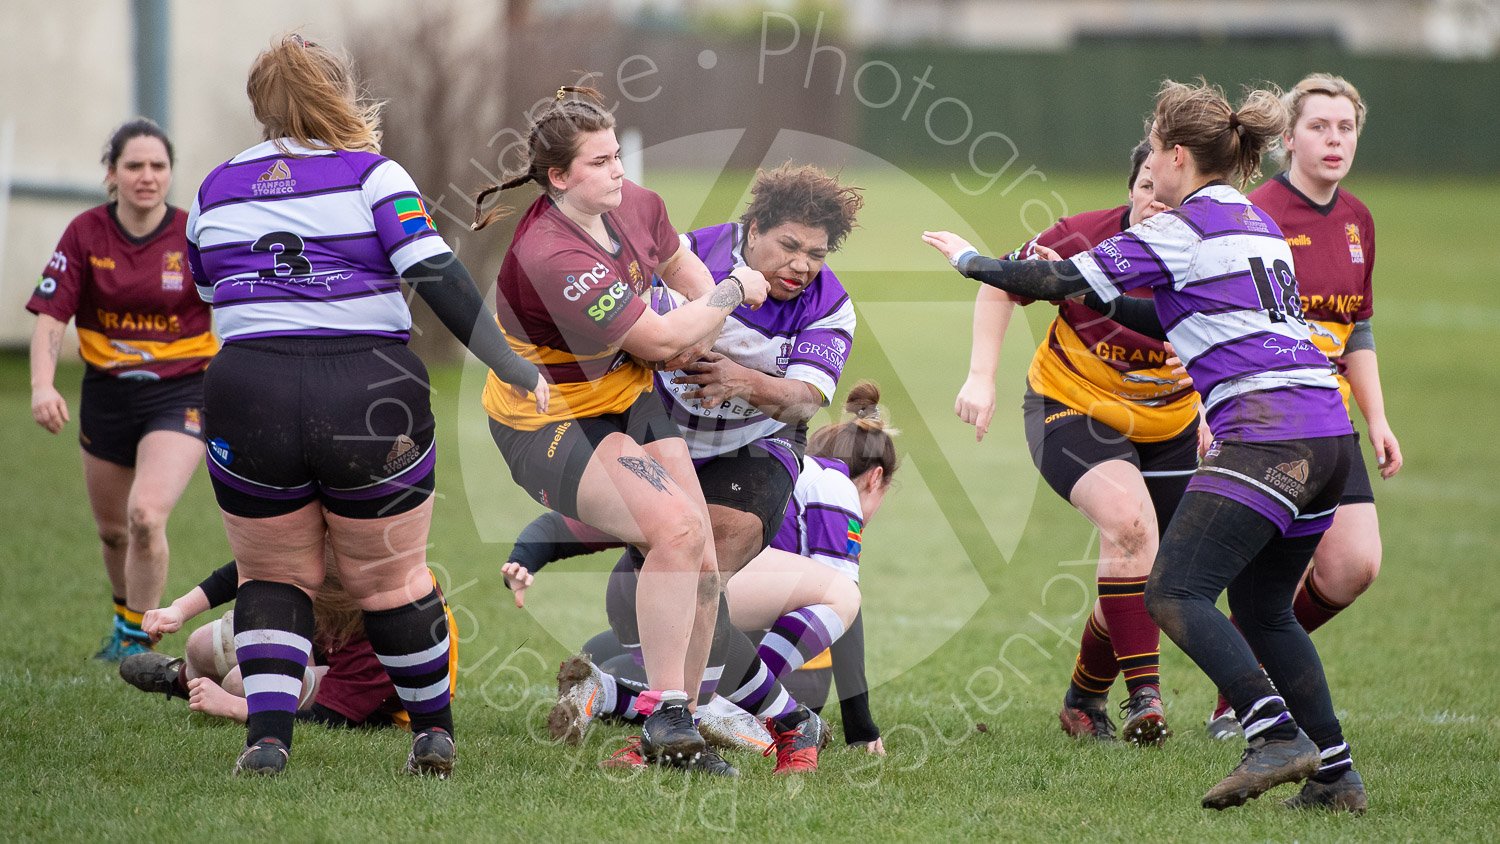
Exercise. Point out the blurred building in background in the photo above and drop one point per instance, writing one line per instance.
(969, 86)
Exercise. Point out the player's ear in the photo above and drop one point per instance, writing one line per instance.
(558, 178)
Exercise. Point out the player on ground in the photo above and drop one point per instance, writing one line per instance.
(802, 591)
(121, 271)
(1252, 515)
(319, 420)
(572, 298)
(1115, 433)
(344, 686)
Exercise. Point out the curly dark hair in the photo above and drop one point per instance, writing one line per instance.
(803, 194)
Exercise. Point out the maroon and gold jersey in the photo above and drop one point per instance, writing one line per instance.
(1333, 254)
(565, 302)
(1097, 366)
(138, 313)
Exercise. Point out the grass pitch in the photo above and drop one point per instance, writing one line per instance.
(977, 581)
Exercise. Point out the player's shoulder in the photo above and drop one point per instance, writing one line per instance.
(712, 238)
(1081, 232)
(1354, 206)
(635, 198)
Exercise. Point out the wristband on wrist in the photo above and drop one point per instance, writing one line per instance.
(737, 283)
(959, 259)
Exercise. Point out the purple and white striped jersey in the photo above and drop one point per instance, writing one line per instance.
(807, 339)
(1227, 297)
(303, 242)
(824, 520)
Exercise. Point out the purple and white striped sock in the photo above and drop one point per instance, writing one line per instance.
(762, 695)
(413, 642)
(797, 637)
(1264, 715)
(1336, 759)
(272, 641)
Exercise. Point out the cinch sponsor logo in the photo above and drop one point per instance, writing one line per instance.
(137, 322)
(276, 180)
(603, 309)
(99, 262)
(1111, 248)
(1299, 240)
(577, 285)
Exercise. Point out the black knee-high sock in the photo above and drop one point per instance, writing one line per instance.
(413, 642)
(273, 629)
(718, 653)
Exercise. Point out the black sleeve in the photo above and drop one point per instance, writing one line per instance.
(1133, 312)
(854, 693)
(221, 586)
(1032, 279)
(548, 539)
(446, 286)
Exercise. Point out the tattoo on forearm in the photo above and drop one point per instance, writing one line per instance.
(648, 470)
(726, 295)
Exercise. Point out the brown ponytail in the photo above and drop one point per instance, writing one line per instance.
(862, 442)
(1225, 142)
(552, 142)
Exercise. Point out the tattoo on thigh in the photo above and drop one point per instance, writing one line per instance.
(648, 470)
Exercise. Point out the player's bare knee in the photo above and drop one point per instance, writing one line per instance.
(737, 538)
(679, 536)
(145, 520)
(1129, 548)
(114, 537)
(843, 598)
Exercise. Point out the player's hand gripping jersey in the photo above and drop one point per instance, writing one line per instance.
(565, 302)
(1097, 366)
(1226, 295)
(808, 339)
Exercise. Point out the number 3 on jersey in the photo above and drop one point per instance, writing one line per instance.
(285, 250)
(1277, 290)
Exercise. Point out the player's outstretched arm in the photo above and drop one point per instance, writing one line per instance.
(1031, 279)
(446, 286)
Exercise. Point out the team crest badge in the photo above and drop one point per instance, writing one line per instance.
(1356, 250)
(192, 421)
(171, 272)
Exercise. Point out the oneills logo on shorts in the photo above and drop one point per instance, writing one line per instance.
(1061, 414)
(403, 454)
(557, 435)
